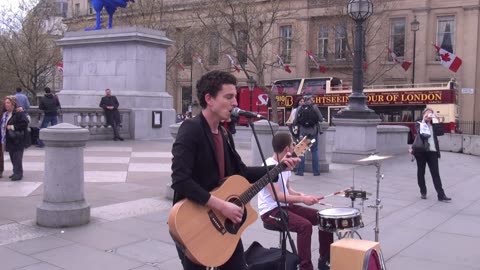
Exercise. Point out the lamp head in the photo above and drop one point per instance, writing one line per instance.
(360, 10)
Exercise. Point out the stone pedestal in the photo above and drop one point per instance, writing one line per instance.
(131, 61)
(354, 139)
(63, 202)
(265, 138)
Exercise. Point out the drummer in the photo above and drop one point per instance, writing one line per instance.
(301, 219)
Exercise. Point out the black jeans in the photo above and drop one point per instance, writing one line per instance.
(237, 261)
(16, 158)
(430, 158)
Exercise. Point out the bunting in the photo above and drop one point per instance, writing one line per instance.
(405, 64)
(233, 63)
(320, 68)
(283, 65)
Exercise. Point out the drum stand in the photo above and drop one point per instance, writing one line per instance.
(377, 205)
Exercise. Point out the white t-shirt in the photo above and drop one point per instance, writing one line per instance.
(266, 200)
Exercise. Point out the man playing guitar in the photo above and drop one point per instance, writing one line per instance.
(204, 153)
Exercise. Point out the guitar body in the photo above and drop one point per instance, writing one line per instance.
(208, 237)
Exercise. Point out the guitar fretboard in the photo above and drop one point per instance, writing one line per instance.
(261, 183)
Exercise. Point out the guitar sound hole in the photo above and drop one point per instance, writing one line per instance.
(229, 225)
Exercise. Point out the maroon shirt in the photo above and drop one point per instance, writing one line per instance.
(218, 140)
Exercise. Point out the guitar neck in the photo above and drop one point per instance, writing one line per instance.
(246, 196)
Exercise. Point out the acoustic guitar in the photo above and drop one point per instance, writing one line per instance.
(207, 237)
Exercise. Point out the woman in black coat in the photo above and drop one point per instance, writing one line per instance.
(427, 151)
(14, 129)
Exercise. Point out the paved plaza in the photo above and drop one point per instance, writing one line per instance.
(125, 186)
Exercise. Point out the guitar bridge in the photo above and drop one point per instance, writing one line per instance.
(216, 222)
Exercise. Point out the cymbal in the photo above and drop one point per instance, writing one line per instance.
(373, 158)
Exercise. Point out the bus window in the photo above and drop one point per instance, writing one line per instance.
(286, 87)
(314, 86)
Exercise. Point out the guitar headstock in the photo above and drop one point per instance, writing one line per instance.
(302, 146)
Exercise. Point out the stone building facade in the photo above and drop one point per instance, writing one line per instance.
(319, 27)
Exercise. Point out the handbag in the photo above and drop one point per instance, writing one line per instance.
(15, 134)
(260, 258)
(419, 145)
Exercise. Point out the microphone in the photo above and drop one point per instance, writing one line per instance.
(237, 112)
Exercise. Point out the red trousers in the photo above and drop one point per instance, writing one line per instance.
(301, 220)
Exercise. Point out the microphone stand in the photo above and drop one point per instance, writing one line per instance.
(283, 216)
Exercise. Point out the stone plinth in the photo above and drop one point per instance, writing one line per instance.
(265, 138)
(63, 202)
(131, 61)
(354, 139)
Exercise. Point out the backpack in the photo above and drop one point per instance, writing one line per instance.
(307, 116)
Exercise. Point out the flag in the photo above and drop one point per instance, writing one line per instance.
(60, 67)
(180, 66)
(321, 68)
(233, 63)
(448, 59)
(405, 64)
(199, 59)
(283, 65)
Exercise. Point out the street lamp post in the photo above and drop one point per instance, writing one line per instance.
(359, 11)
(251, 86)
(415, 26)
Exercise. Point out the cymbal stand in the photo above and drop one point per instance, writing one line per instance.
(377, 205)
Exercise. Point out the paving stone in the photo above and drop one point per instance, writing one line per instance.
(99, 237)
(74, 257)
(130, 209)
(40, 266)
(17, 188)
(446, 248)
(461, 224)
(11, 260)
(105, 176)
(404, 262)
(152, 154)
(14, 232)
(149, 167)
(39, 244)
(148, 251)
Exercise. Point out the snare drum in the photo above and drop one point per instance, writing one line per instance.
(335, 219)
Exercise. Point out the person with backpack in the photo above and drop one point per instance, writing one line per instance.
(50, 105)
(308, 121)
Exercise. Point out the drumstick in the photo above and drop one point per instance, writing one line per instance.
(326, 204)
(332, 194)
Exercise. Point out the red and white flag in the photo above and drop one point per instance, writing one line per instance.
(60, 67)
(405, 64)
(283, 65)
(233, 63)
(321, 68)
(448, 59)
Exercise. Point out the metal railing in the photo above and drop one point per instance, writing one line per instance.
(468, 127)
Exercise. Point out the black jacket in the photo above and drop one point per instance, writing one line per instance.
(50, 105)
(437, 131)
(194, 165)
(20, 122)
(111, 116)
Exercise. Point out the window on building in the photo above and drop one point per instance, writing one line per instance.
(214, 49)
(322, 43)
(446, 33)
(187, 53)
(76, 10)
(340, 42)
(397, 37)
(90, 7)
(242, 46)
(286, 43)
(186, 98)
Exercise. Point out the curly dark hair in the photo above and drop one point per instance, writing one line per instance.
(211, 83)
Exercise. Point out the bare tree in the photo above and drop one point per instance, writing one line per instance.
(28, 45)
(343, 27)
(246, 30)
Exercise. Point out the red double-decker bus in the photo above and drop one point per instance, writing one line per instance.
(395, 104)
